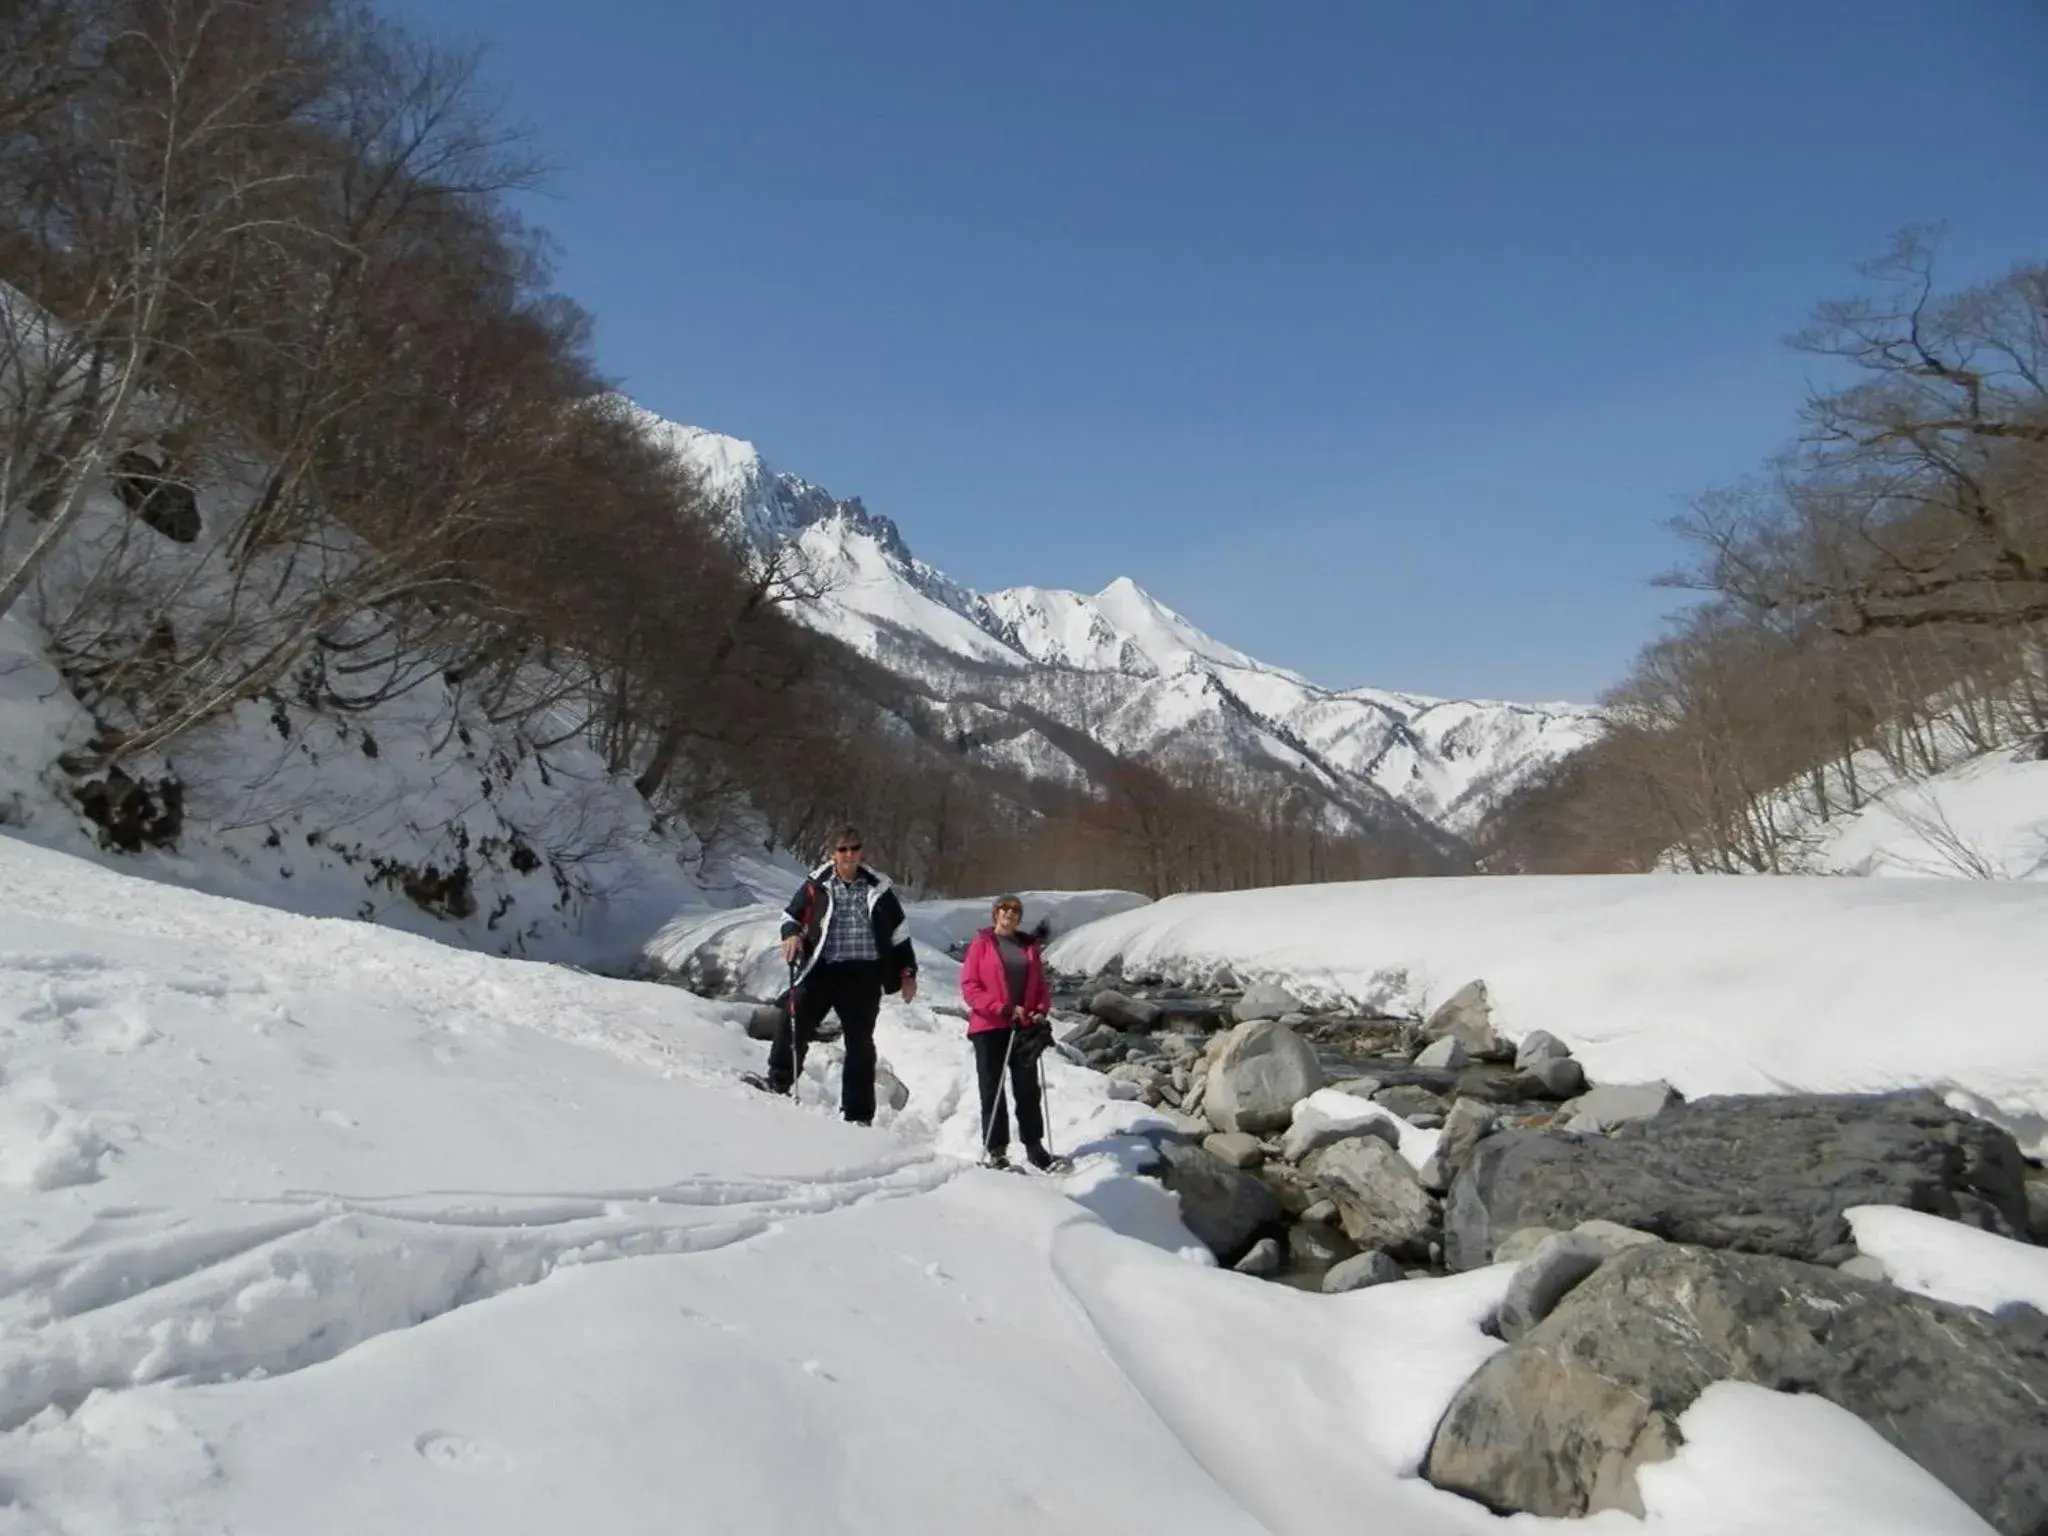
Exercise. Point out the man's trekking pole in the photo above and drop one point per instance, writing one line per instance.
(796, 1061)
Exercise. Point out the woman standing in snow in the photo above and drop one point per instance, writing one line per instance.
(1003, 982)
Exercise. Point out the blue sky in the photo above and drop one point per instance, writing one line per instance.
(1377, 338)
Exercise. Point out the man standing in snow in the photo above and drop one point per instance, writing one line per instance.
(845, 929)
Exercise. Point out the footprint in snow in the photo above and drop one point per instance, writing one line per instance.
(459, 1453)
(709, 1322)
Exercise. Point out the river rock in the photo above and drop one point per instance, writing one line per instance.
(1226, 1209)
(1601, 1109)
(2037, 1209)
(763, 1021)
(1539, 1045)
(1263, 1070)
(1314, 1245)
(1124, 1011)
(1445, 1055)
(1324, 1211)
(1264, 1000)
(1557, 1424)
(1561, 1077)
(1236, 1148)
(1091, 1035)
(1406, 1099)
(1141, 1075)
(1467, 1017)
(1170, 1125)
(1324, 1117)
(1355, 1274)
(1379, 1200)
(1613, 1236)
(1864, 1266)
(1265, 1258)
(1552, 1268)
(1468, 1123)
(1520, 1243)
(1762, 1174)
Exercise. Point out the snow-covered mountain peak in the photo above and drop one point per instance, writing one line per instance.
(767, 507)
(1025, 674)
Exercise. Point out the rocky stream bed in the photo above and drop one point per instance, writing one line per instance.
(1662, 1245)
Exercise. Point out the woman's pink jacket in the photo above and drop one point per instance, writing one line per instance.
(986, 989)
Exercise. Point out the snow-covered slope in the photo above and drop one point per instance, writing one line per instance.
(314, 1227)
(1984, 819)
(1018, 673)
(416, 813)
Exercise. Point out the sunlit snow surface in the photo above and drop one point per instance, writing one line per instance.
(311, 1226)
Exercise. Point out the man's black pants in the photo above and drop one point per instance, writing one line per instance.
(990, 1048)
(853, 990)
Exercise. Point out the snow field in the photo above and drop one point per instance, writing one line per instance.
(314, 1226)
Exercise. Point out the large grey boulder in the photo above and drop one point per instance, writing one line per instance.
(1467, 1017)
(2037, 1209)
(1124, 1011)
(1264, 1000)
(1228, 1210)
(763, 1020)
(1601, 1109)
(1262, 1071)
(1762, 1175)
(1558, 1424)
(1379, 1200)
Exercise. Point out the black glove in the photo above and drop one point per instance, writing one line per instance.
(1033, 1040)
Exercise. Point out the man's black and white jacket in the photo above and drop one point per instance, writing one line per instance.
(810, 914)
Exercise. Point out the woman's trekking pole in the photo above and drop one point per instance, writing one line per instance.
(1045, 1107)
(988, 1123)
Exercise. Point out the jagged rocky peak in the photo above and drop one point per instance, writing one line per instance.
(1121, 671)
(767, 506)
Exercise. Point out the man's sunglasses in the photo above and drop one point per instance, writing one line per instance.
(847, 848)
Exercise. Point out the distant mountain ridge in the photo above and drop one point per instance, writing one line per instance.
(1022, 677)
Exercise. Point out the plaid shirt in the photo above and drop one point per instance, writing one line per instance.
(851, 933)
